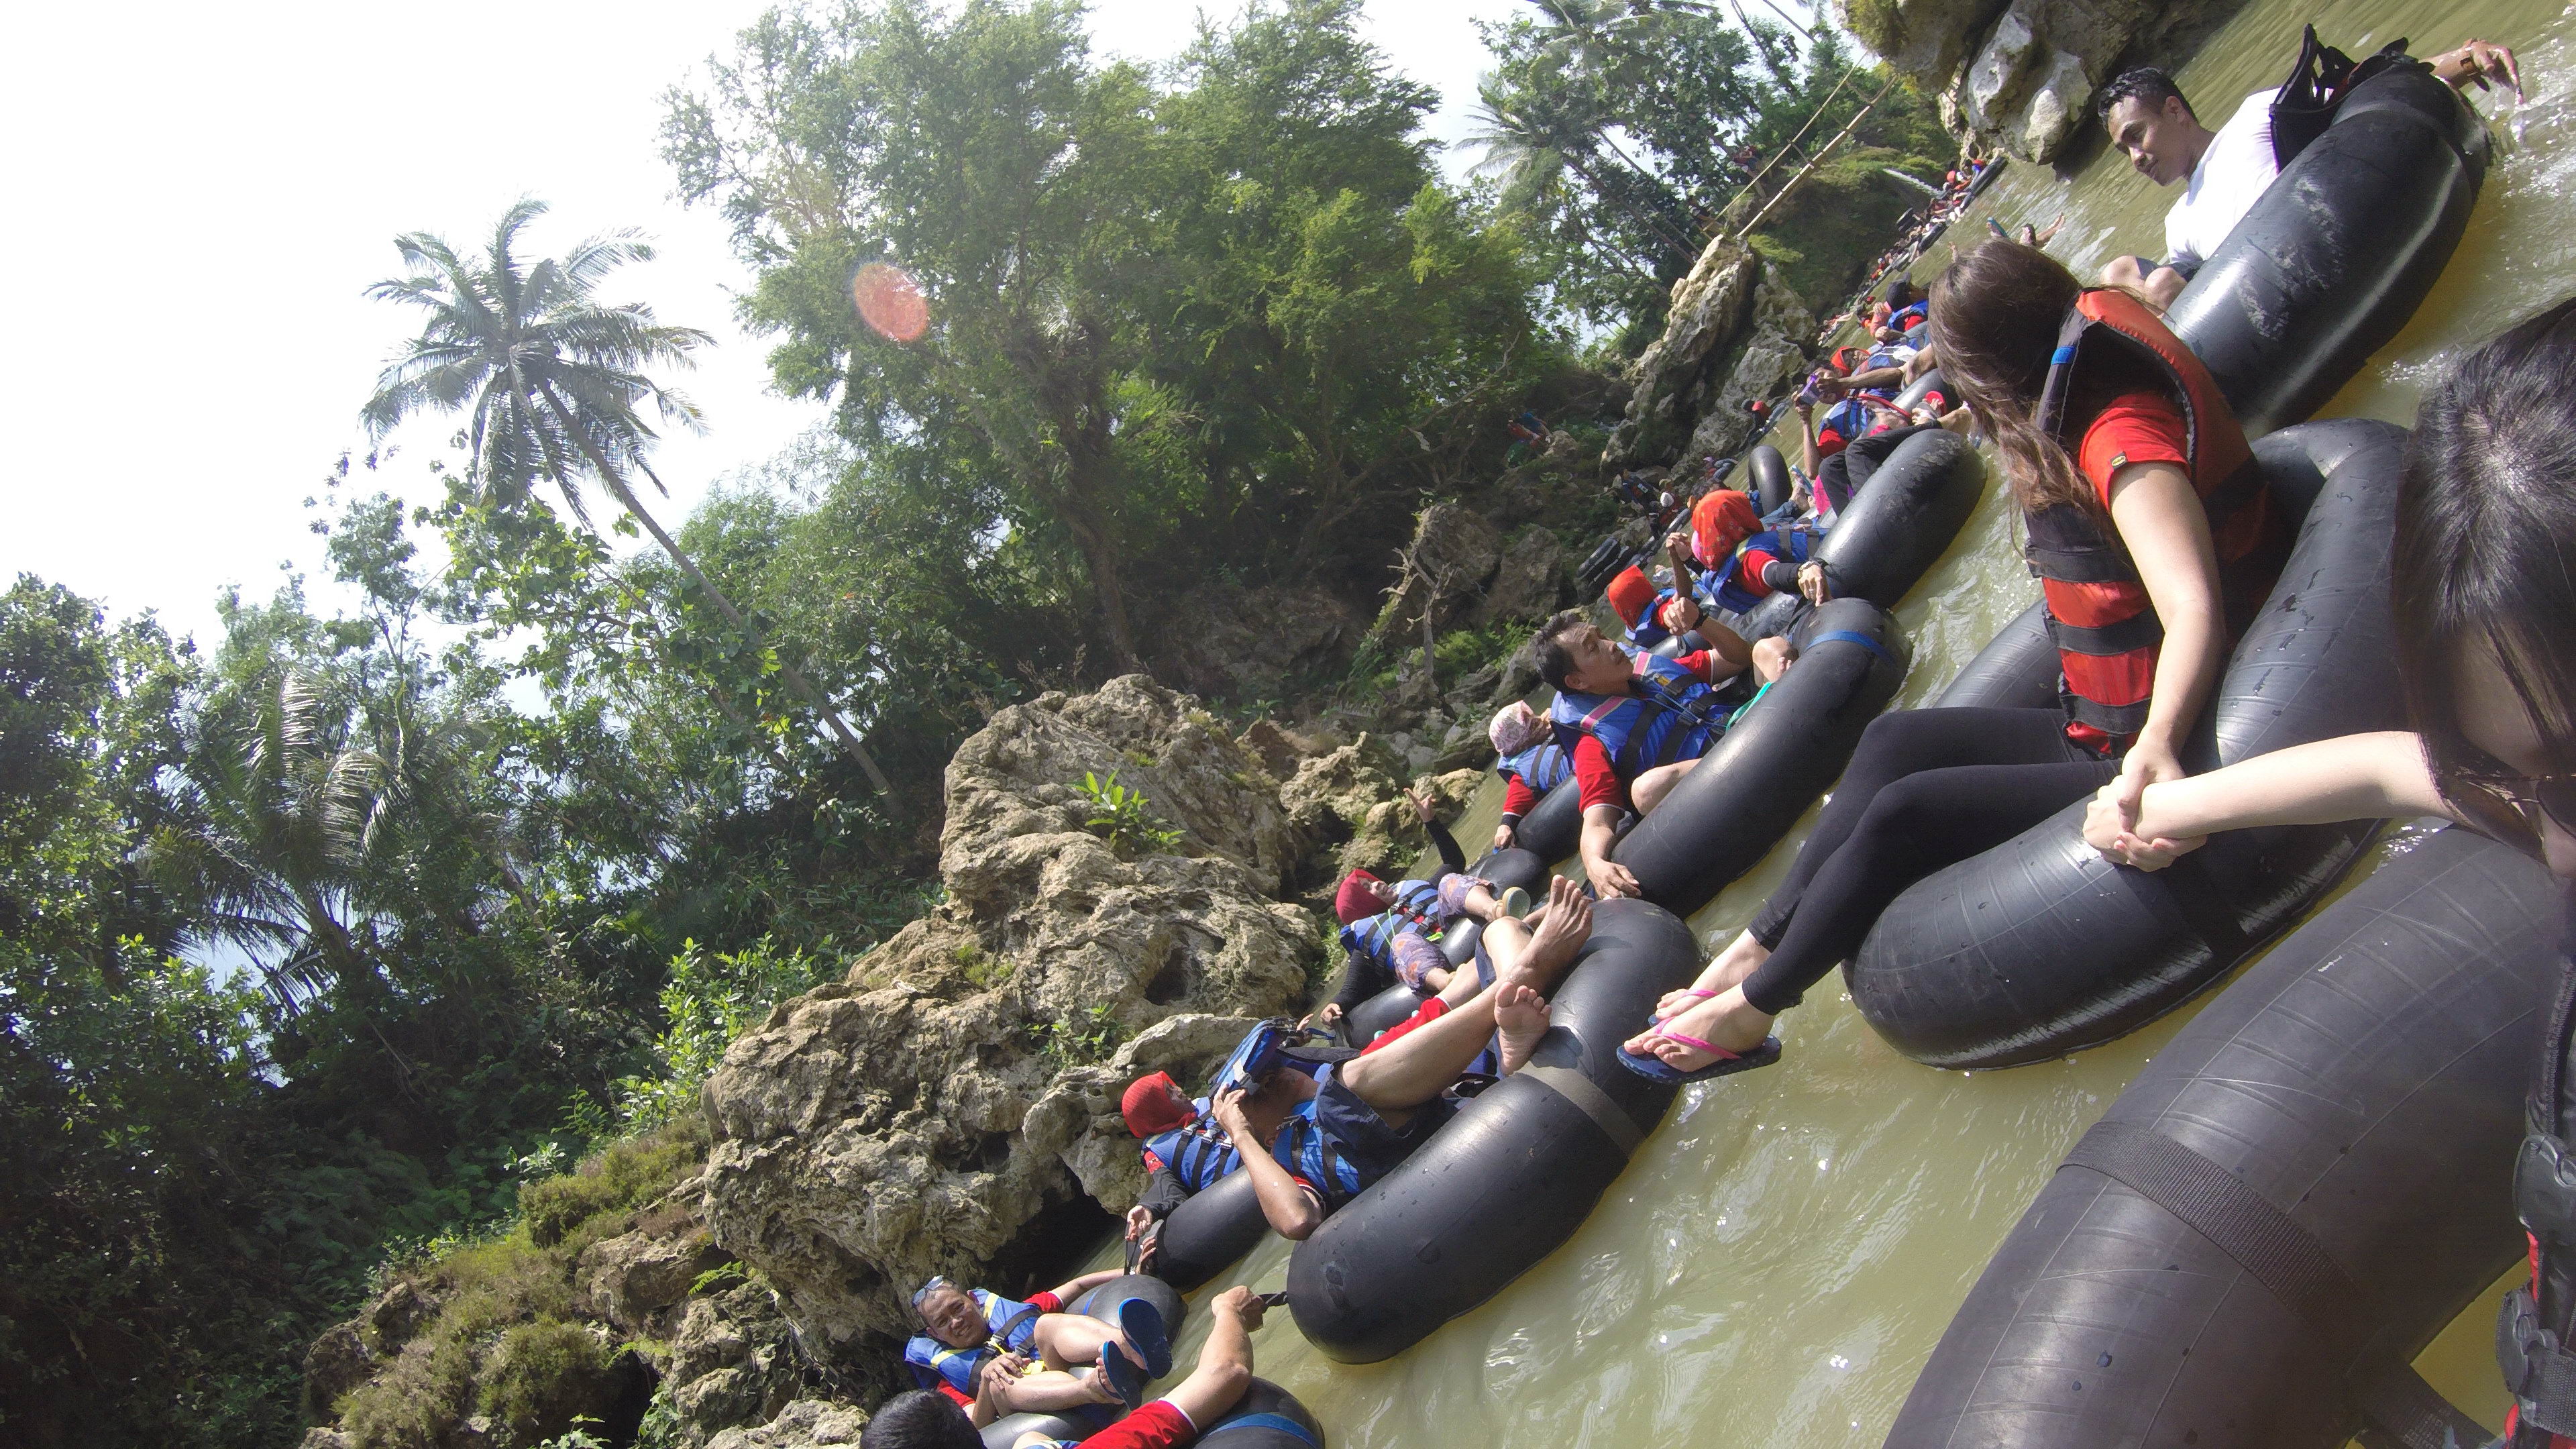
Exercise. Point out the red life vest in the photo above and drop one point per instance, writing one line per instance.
(2106, 629)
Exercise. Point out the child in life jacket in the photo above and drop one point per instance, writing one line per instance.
(992, 1355)
(1388, 926)
(1530, 762)
(1315, 1127)
(925, 1420)
(1733, 563)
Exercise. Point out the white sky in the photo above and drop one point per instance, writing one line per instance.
(210, 188)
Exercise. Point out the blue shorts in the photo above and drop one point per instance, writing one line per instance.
(1363, 1138)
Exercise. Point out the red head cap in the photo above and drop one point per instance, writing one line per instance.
(1354, 901)
(1629, 595)
(1152, 1105)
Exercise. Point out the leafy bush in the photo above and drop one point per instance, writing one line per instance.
(705, 1005)
(1075, 1043)
(541, 1376)
(1121, 817)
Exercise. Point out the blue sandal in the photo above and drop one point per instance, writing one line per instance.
(1656, 1069)
(1143, 1325)
(1126, 1377)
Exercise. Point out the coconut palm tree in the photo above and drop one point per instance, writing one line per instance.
(553, 382)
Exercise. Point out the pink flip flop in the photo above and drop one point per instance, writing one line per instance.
(1656, 1069)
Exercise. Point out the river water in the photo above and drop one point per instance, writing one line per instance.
(1780, 1257)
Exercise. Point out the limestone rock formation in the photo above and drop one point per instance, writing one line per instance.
(883, 1128)
(804, 1423)
(2023, 74)
(1731, 337)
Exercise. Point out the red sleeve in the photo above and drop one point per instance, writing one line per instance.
(1699, 662)
(1592, 772)
(1158, 1425)
(963, 1401)
(1518, 797)
(2141, 427)
(1046, 1302)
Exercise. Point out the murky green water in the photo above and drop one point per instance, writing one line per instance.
(1779, 1259)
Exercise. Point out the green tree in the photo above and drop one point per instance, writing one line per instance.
(553, 382)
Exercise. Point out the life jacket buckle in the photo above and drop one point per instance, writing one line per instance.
(2539, 1374)
(2544, 1189)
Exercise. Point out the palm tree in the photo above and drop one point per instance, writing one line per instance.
(553, 382)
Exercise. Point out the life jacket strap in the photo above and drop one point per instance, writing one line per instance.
(2064, 543)
(2141, 630)
(2119, 721)
(2538, 1370)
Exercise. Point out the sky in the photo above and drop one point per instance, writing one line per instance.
(210, 189)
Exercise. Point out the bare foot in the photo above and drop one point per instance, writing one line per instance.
(1552, 946)
(1729, 967)
(1724, 1020)
(1520, 1018)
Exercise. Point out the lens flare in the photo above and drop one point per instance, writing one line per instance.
(890, 301)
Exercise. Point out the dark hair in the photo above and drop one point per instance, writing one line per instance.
(1900, 292)
(1547, 648)
(2483, 522)
(1995, 318)
(920, 1419)
(2144, 84)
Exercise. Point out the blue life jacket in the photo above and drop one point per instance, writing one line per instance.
(1724, 587)
(1670, 715)
(1306, 1149)
(1416, 909)
(1542, 766)
(1014, 1325)
(1904, 318)
(1198, 1152)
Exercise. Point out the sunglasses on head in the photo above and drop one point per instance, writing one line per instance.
(2510, 806)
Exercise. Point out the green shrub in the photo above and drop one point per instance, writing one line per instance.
(614, 1180)
(416, 1403)
(706, 1003)
(1121, 817)
(543, 1375)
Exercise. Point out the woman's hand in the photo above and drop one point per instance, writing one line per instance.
(2111, 821)
(1421, 804)
(1813, 584)
(1138, 1220)
(1503, 837)
(1328, 1014)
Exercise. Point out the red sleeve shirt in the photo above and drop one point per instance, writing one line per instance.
(1046, 1302)
(1702, 662)
(2142, 427)
(1518, 797)
(1158, 1425)
(1593, 775)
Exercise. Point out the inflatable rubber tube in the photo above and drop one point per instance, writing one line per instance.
(2339, 250)
(1505, 868)
(1919, 389)
(1984, 179)
(2039, 947)
(1769, 474)
(2366, 1080)
(2016, 670)
(1209, 1232)
(1899, 525)
(1791, 744)
(1100, 1301)
(1554, 825)
(1515, 1173)
(2018, 667)
(1266, 1417)
(1374, 1017)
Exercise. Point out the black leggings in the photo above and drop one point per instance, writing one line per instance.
(1926, 788)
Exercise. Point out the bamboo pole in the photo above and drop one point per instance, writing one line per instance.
(1746, 230)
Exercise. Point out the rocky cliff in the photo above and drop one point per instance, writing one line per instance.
(2022, 73)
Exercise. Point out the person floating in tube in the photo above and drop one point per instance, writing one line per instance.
(1388, 926)
(1634, 724)
(993, 1356)
(2486, 656)
(925, 1420)
(1530, 762)
(1315, 1127)
(2154, 539)
(1734, 563)
(2227, 170)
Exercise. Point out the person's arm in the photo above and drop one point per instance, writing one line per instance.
(1225, 1360)
(2166, 530)
(1814, 458)
(2476, 63)
(1292, 1208)
(1163, 1192)
(1363, 976)
(1919, 364)
(1876, 377)
(1452, 858)
(2357, 777)
(1071, 1289)
(1600, 834)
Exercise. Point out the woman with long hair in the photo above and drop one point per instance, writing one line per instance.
(2146, 521)
(2485, 599)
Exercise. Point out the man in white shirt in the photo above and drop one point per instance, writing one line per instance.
(2227, 170)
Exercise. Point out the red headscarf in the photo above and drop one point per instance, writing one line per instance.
(1629, 594)
(1149, 1105)
(1354, 901)
(1720, 523)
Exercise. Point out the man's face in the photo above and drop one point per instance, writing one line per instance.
(1599, 667)
(2163, 142)
(953, 1318)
